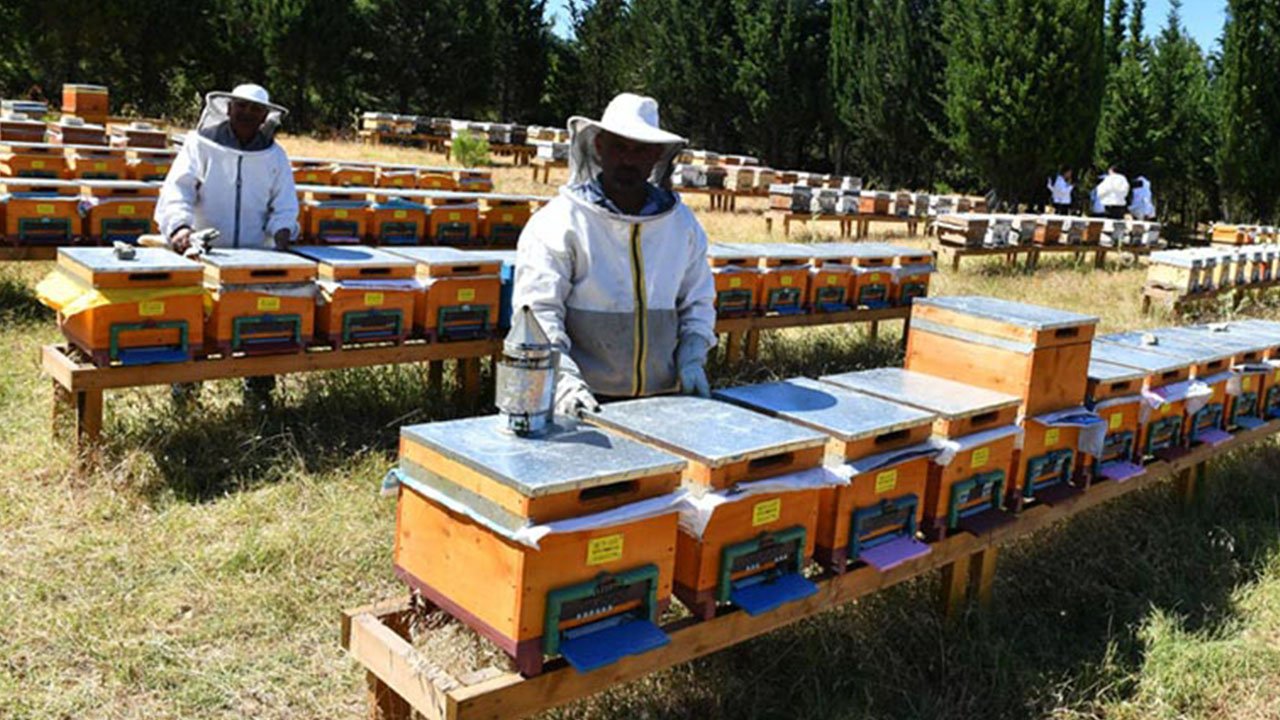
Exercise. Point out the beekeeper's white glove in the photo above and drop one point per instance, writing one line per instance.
(690, 357)
(573, 397)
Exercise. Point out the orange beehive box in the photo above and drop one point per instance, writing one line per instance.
(1048, 231)
(1230, 235)
(881, 444)
(96, 163)
(968, 230)
(784, 278)
(477, 181)
(17, 127)
(40, 218)
(1051, 464)
(1249, 370)
(474, 503)
(748, 532)
(502, 221)
(453, 223)
(120, 219)
(871, 202)
(403, 178)
(264, 301)
(351, 175)
(873, 273)
(308, 173)
(337, 222)
(462, 296)
(1038, 354)
(396, 221)
(77, 131)
(832, 280)
(910, 282)
(138, 135)
(968, 480)
(144, 165)
(434, 180)
(1269, 331)
(151, 311)
(737, 278)
(86, 101)
(1209, 366)
(366, 295)
(1115, 395)
(32, 161)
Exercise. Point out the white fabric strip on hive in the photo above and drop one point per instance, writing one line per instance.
(892, 457)
(949, 449)
(696, 510)
(1093, 431)
(1195, 393)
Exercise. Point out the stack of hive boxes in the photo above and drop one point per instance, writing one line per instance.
(1039, 355)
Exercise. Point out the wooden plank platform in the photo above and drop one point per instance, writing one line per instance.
(401, 680)
(953, 252)
(544, 167)
(851, 226)
(722, 199)
(1176, 301)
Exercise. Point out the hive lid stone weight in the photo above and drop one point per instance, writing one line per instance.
(526, 376)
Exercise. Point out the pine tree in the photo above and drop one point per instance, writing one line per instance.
(1024, 84)
(1250, 100)
(521, 63)
(1115, 31)
(1125, 131)
(606, 56)
(886, 69)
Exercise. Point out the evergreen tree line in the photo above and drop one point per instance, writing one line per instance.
(972, 95)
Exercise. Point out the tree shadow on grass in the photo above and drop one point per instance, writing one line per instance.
(319, 422)
(18, 303)
(1063, 631)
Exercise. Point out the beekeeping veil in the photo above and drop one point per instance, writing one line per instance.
(215, 121)
(634, 117)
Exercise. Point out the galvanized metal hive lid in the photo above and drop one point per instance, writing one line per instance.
(712, 432)
(732, 251)
(784, 251)
(350, 256)
(507, 257)
(1265, 327)
(1034, 317)
(1238, 341)
(1103, 371)
(1136, 357)
(563, 460)
(245, 257)
(1168, 344)
(949, 399)
(874, 251)
(145, 259)
(436, 255)
(844, 414)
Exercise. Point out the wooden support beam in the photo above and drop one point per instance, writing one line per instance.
(753, 344)
(955, 587)
(984, 575)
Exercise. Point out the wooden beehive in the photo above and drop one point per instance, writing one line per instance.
(312, 173)
(1230, 235)
(470, 490)
(154, 308)
(872, 202)
(1115, 395)
(360, 176)
(1161, 429)
(737, 279)
(405, 178)
(84, 163)
(75, 131)
(764, 535)
(148, 165)
(138, 135)
(502, 221)
(264, 302)
(1037, 354)
(433, 180)
(1176, 270)
(784, 278)
(367, 295)
(337, 222)
(462, 297)
(34, 161)
(1247, 391)
(89, 102)
(875, 518)
(967, 230)
(968, 492)
(120, 219)
(1048, 231)
(20, 128)
(396, 221)
(39, 218)
(453, 223)
(831, 279)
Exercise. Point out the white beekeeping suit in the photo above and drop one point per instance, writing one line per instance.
(1143, 206)
(245, 191)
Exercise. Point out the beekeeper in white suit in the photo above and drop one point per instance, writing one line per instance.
(232, 175)
(615, 267)
(1142, 206)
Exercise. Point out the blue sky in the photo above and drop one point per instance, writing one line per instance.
(1203, 18)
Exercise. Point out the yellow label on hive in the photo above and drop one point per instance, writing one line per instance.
(766, 512)
(127, 210)
(339, 213)
(1164, 409)
(310, 176)
(1051, 437)
(44, 209)
(150, 308)
(980, 457)
(268, 304)
(786, 280)
(886, 481)
(99, 166)
(506, 217)
(1247, 384)
(604, 549)
(874, 277)
(37, 164)
(373, 299)
(735, 282)
(1116, 421)
(833, 280)
(454, 217)
(466, 294)
(400, 214)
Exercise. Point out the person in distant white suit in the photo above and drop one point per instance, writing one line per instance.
(1142, 206)
(1113, 194)
(1060, 188)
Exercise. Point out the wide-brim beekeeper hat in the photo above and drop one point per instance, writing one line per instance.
(217, 110)
(250, 93)
(628, 115)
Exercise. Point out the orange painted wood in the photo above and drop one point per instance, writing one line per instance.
(227, 306)
(731, 474)
(330, 313)
(975, 423)
(836, 505)
(62, 207)
(91, 330)
(998, 456)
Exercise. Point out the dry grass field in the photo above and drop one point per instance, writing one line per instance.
(200, 571)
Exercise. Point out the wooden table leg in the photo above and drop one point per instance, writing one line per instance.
(64, 404)
(983, 575)
(955, 261)
(955, 584)
(435, 375)
(1146, 304)
(786, 226)
(753, 344)
(470, 370)
(733, 351)
(88, 417)
(873, 329)
(768, 225)
(1100, 259)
